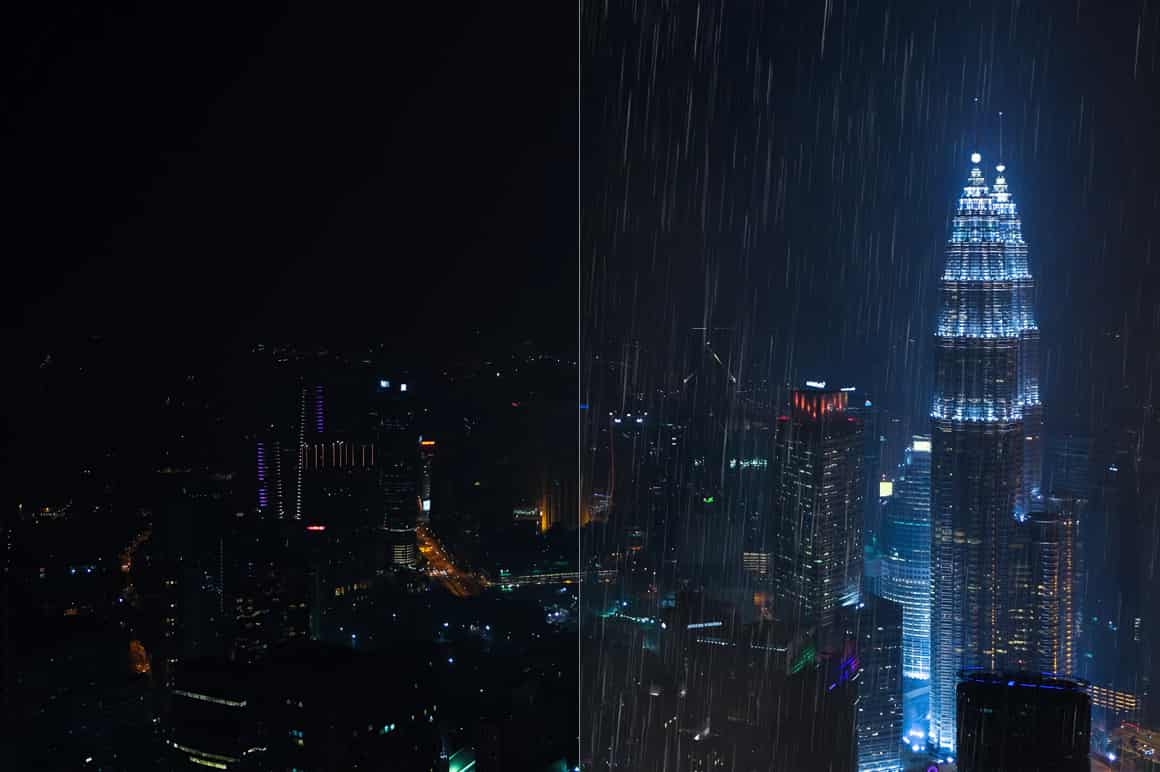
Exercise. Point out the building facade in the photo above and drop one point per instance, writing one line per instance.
(985, 431)
(905, 576)
(818, 509)
(880, 650)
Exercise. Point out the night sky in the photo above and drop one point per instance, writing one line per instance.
(185, 182)
(289, 171)
(789, 169)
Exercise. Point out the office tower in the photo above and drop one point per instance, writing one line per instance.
(398, 449)
(906, 545)
(426, 464)
(873, 465)
(269, 480)
(311, 422)
(1067, 513)
(818, 509)
(1022, 721)
(985, 380)
(1041, 567)
(905, 575)
(879, 648)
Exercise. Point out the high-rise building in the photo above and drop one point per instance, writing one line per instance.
(906, 573)
(398, 447)
(873, 462)
(426, 465)
(1022, 721)
(986, 382)
(906, 543)
(1042, 569)
(818, 510)
(879, 648)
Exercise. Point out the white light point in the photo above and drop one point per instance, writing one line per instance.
(1001, 168)
(976, 158)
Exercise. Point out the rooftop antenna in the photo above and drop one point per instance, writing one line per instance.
(975, 123)
(1000, 136)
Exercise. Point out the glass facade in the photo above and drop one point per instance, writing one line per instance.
(906, 566)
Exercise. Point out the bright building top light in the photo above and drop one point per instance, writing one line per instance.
(1001, 168)
(975, 158)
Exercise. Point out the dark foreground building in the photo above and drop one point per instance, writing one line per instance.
(1022, 721)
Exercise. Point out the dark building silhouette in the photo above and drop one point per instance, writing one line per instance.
(1022, 721)
(877, 633)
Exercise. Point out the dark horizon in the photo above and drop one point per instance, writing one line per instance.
(291, 175)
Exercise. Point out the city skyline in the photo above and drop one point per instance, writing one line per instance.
(650, 386)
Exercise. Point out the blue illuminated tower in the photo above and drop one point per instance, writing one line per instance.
(986, 398)
(906, 574)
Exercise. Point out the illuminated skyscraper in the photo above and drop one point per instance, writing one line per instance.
(426, 462)
(1044, 576)
(818, 506)
(905, 575)
(986, 384)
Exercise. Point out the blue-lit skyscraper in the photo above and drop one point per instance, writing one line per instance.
(986, 384)
(906, 573)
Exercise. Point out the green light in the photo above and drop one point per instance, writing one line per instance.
(463, 760)
(805, 658)
(709, 499)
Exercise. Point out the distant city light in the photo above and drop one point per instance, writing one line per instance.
(849, 388)
(885, 489)
(816, 384)
(384, 384)
(921, 446)
(402, 387)
(316, 528)
(976, 158)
